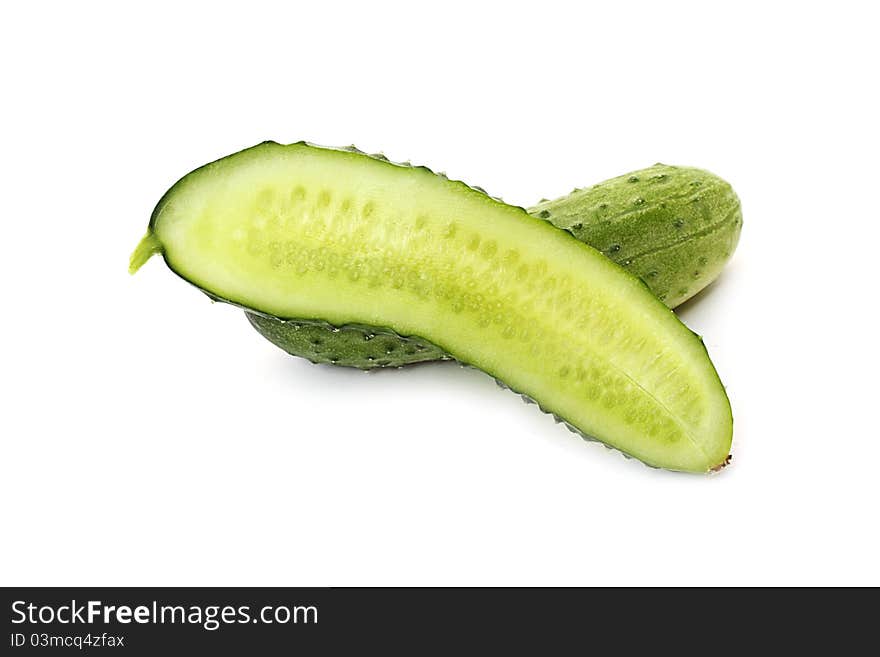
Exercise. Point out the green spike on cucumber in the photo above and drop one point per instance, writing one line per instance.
(310, 235)
(673, 227)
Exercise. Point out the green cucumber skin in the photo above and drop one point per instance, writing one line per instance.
(673, 227)
(364, 347)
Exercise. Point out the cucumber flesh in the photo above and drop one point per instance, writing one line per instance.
(673, 227)
(310, 234)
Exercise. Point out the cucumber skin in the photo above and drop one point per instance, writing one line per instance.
(364, 347)
(673, 227)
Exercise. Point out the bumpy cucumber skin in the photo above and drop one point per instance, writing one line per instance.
(673, 227)
(365, 347)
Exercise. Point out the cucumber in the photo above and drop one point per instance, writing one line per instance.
(309, 234)
(673, 227)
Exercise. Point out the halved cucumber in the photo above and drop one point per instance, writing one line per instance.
(673, 227)
(311, 234)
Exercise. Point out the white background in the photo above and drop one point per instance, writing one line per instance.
(151, 437)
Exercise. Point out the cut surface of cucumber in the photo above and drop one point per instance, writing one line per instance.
(312, 235)
(673, 227)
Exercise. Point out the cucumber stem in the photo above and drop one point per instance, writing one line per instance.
(146, 249)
